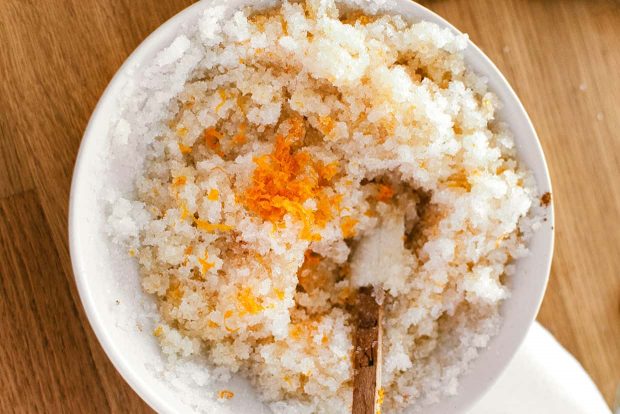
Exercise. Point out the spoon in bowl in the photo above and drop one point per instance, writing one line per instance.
(378, 258)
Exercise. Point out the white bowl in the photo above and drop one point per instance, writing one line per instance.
(109, 286)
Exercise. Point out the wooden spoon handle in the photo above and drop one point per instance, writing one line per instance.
(367, 353)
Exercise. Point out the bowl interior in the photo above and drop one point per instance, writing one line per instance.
(108, 281)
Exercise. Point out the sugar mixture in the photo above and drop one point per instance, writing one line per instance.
(307, 150)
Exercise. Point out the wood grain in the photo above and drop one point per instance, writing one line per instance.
(56, 57)
(367, 353)
(35, 306)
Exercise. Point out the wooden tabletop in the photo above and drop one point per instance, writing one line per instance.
(56, 57)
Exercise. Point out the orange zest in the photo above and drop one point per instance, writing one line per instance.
(327, 171)
(184, 211)
(223, 98)
(248, 302)
(284, 180)
(459, 180)
(213, 194)
(279, 293)
(326, 124)
(297, 130)
(205, 265)
(174, 293)
(225, 395)
(210, 227)
(179, 181)
(184, 149)
(212, 139)
(302, 329)
(347, 226)
(380, 398)
(385, 193)
(324, 209)
(182, 132)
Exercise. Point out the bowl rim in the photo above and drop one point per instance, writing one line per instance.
(154, 400)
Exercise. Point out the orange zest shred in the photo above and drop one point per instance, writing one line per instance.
(314, 237)
(213, 194)
(223, 98)
(385, 193)
(184, 211)
(225, 394)
(157, 332)
(457, 128)
(363, 19)
(228, 314)
(212, 132)
(279, 293)
(284, 180)
(212, 139)
(248, 302)
(205, 265)
(182, 132)
(305, 328)
(380, 398)
(240, 139)
(284, 24)
(175, 292)
(297, 130)
(189, 250)
(358, 17)
(184, 149)
(179, 181)
(212, 324)
(459, 180)
(326, 124)
(336, 200)
(324, 209)
(347, 226)
(242, 103)
(210, 227)
(295, 331)
(327, 171)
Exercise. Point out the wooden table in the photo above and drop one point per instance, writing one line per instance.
(56, 57)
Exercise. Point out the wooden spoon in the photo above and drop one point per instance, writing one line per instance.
(367, 352)
(375, 260)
